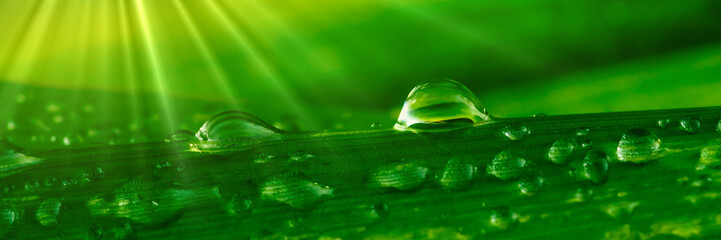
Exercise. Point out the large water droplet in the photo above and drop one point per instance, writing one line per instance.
(234, 124)
(294, 190)
(402, 176)
(515, 131)
(457, 174)
(639, 145)
(440, 105)
(507, 166)
(594, 167)
(180, 136)
(47, 213)
(710, 155)
(12, 159)
(691, 124)
(561, 150)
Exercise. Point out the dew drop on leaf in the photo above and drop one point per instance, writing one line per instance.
(639, 145)
(232, 125)
(440, 105)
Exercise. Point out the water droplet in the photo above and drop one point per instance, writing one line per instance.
(539, 115)
(639, 145)
(239, 205)
(594, 167)
(664, 123)
(180, 136)
(718, 127)
(401, 176)
(9, 214)
(619, 209)
(457, 174)
(376, 125)
(299, 156)
(561, 150)
(12, 159)
(47, 213)
(503, 218)
(232, 125)
(691, 124)
(530, 185)
(440, 105)
(263, 158)
(581, 195)
(149, 201)
(515, 131)
(710, 155)
(583, 131)
(507, 166)
(586, 143)
(294, 190)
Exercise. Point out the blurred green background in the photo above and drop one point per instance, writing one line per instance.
(88, 73)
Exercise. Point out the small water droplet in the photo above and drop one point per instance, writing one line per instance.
(664, 123)
(710, 155)
(583, 131)
(294, 190)
(691, 124)
(299, 156)
(503, 218)
(440, 105)
(586, 143)
(639, 145)
(530, 185)
(239, 205)
(581, 195)
(401, 176)
(515, 131)
(594, 167)
(180, 136)
(457, 174)
(619, 209)
(47, 213)
(376, 125)
(232, 125)
(539, 115)
(507, 166)
(9, 214)
(561, 150)
(263, 158)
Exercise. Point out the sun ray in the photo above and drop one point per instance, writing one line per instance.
(218, 73)
(260, 62)
(156, 69)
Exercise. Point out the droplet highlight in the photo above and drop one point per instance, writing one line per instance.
(440, 105)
